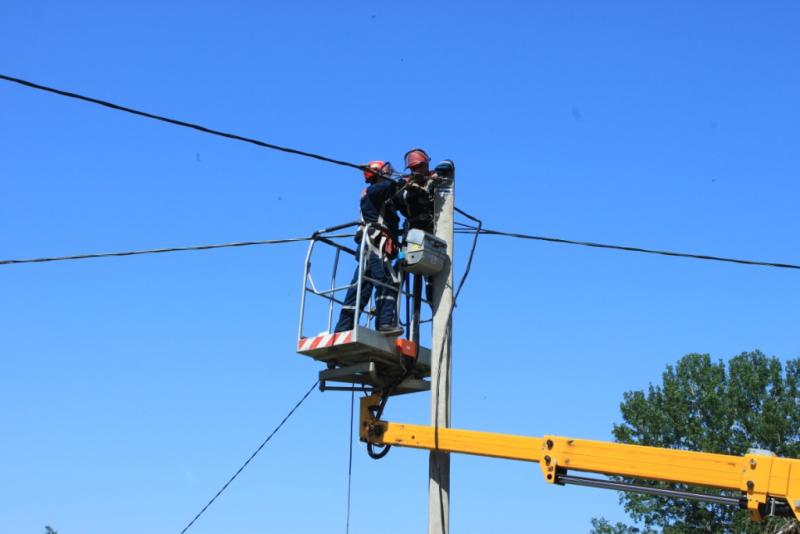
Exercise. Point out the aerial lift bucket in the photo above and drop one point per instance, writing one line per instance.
(359, 358)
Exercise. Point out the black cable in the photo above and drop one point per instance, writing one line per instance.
(362, 167)
(350, 460)
(471, 252)
(236, 474)
(176, 122)
(163, 250)
(152, 251)
(466, 229)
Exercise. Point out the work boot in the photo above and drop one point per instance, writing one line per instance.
(390, 330)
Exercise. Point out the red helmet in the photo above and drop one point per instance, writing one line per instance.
(416, 156)
(376, 168)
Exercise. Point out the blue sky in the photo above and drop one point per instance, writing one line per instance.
(132, 388)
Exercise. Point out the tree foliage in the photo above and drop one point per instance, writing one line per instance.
(701, 405)
(603, 526)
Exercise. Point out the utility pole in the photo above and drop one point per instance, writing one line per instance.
(439, 462)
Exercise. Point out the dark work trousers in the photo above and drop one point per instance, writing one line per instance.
(385, 298)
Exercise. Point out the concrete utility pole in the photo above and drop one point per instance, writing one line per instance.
(439, 463)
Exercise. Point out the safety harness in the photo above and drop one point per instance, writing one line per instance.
(380, 240)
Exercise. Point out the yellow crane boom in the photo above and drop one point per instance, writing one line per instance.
(766, 484)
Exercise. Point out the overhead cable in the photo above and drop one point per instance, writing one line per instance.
(176, 122)
(467, 229)
(155, 251)
(464, 229)
(478, 230)
(236, 474)
(350, 460)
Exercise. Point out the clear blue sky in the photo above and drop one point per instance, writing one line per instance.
(132, 388)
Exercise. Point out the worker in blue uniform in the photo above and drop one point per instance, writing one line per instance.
(380, 222)
(416, 199)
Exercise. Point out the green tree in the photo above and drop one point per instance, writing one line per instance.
(50, 530)
(701, 405)
(603, 526)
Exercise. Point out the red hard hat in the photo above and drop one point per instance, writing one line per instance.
(416, 156)
(375, 168)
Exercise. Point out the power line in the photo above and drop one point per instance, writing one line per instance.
(478, 231)
(155, 251)
(176, 122)
(263, 144)
(350, 460)
(236, 474)
(467, 229)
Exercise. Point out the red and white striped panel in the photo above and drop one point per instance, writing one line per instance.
(324, 340)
